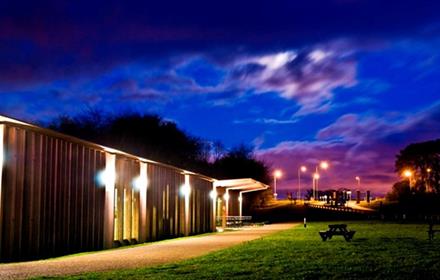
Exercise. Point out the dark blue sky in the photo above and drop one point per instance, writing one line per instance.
(348, 81)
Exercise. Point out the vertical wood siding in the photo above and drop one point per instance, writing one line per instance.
(200, 205)
(51, 204)
(165, 212)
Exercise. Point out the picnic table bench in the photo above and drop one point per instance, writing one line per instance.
(338, 229)
(431, 230)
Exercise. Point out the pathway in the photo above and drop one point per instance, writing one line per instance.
(140, 256)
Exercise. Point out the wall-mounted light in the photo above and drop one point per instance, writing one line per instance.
(185, 190)
(213, 194)
(107, 177)
(140, 183)
(226, 196)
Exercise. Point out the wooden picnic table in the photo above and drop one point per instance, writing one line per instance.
(337, 229)
(431, 230)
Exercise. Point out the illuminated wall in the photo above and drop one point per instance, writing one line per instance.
(61, 195)
(51, 203)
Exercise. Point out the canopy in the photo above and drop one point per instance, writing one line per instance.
(245, 184)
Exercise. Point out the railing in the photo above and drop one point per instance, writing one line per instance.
(233, 221)
(340, 209)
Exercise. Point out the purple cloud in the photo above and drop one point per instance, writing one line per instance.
(355, 146)
(307, 76)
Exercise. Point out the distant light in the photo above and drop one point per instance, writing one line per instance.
(357, 178)
(226, 196)
(316, 176)
(140, 183)
(428, 170)
(324, 165)
(213, 194)
(107, 177)
(407, 173)
(185, 190)
(277, 173)
(303, 168)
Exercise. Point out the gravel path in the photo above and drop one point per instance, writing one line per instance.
(140, 256)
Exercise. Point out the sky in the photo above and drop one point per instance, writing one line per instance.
(347, 81)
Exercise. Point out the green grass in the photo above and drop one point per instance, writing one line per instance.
(378, 251)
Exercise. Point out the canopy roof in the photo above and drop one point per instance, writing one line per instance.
(245, 184)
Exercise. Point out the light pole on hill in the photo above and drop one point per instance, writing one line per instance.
(358, 179)
(324, 166)
(408, 174)
(276, 174)
(302, 169)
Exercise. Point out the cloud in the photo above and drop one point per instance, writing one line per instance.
(266, 121)
(355, 145)
(308, 76)
(54, 40)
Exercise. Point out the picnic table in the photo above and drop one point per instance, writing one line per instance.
(431, 230)
(338, 229)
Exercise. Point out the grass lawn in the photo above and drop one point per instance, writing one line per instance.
(378, 250)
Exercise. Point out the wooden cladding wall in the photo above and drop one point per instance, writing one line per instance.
(165, 205)
(234, 203)
(126, 207)
(50, 201)
(201, 217)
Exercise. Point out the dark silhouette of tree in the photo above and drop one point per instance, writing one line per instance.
(152, 137)
(400, 191)
(240, 162)
(423, 159)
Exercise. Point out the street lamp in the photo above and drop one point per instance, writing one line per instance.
(408, 174)
(358, 179)
(428, 187)
(276, 174)
(301, 169)
(324, 166)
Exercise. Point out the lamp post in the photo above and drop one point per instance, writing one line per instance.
(301, 169)
(408, 174)
(358, 179)
(324, 166)
(315, 183)
(277, 174)
(428, 186)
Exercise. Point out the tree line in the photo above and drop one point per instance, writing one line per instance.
(152, 137)
(418, 166)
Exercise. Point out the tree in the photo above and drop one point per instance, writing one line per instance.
(147, 136)
(423, 160)
(399, 192)
(240, 162)
(151, 137)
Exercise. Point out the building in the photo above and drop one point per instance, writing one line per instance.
(61, 195)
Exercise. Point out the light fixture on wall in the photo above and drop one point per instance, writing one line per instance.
(226, 196)
(107, 177)
(185, 190)
(213, 194)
